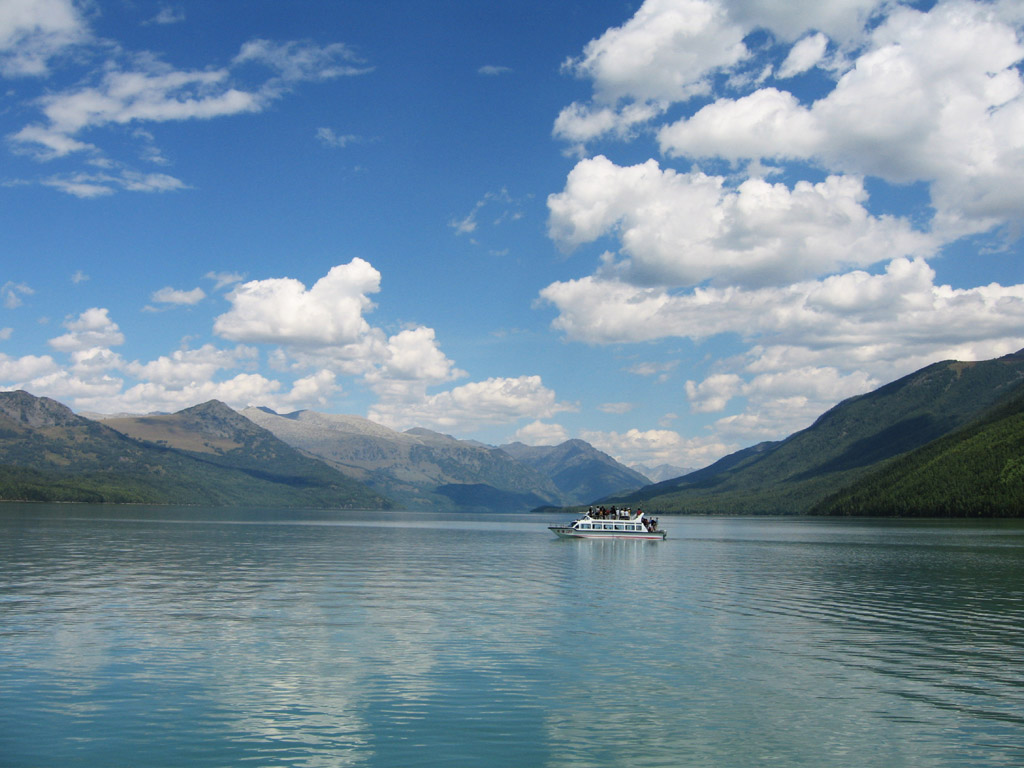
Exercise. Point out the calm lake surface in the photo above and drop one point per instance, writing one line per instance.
(142, 636)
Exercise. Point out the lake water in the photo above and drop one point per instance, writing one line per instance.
(143, 636)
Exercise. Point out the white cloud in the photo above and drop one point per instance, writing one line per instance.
(840, 19)
(658, 446)
(579, 123)
(89, 185)
(188, 366)
(170, 295)
(240, 391)
(509, 210)
(328, 137)
(471, 406)
(283, 311)
(492, 69)
(224, 279)
(154, 93)
(540, 433)
(766, 123)
(881, 317)
(414, 355)
(930, 97)
(779, 402)
(299, 61)
(169, 15)
(11, 293)
(937, 97)
(80, 393)
(683, 229)
(804, 55)
(94, 364)
(666, 52)
(92, 328)
(810, 343)
(34, 31)
(16, 371)
(713, 393)
(138, 89)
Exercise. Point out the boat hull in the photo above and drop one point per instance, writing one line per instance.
(568, 532)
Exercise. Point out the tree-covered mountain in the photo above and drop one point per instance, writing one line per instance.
(580, 471)
(204, 455)
(977, 471)
(847, 443)
(419, 468)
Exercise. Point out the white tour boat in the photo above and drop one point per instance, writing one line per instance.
(611, 523)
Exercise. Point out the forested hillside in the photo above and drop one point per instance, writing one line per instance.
(975, 472)
(853, 440)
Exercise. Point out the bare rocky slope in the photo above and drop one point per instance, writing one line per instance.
(428, 470)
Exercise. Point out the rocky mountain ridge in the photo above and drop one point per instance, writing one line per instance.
(206, 455)
(424, 469)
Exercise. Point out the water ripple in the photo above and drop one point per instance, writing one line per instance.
(172, 637)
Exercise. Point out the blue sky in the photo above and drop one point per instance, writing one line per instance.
(672, 228)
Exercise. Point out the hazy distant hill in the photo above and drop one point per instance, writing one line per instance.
(580, 471)
(661, 472)
(206, 455)
(845, 444)
(418, 468)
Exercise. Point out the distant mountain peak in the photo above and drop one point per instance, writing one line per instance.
(28, 410)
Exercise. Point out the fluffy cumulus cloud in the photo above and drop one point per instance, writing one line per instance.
(410, 362)
(680, 229)
(934, 96)
(317, 341)
(752, 220)
(843, 20)
(282, 310)
(15, 371)
(187, 366)
(34, 31)
(540, 433)
(804, 55)
(92, 328)
(874, 317)
(472, 405)
(666, 52)
(714, 392)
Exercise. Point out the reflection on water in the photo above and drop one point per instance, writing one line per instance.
(173, 637)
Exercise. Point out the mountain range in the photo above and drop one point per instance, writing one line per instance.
(207, 454)
(428, 470)
(212, 455)
(946, 440)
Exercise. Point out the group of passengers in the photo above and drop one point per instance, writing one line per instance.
(603, 513)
